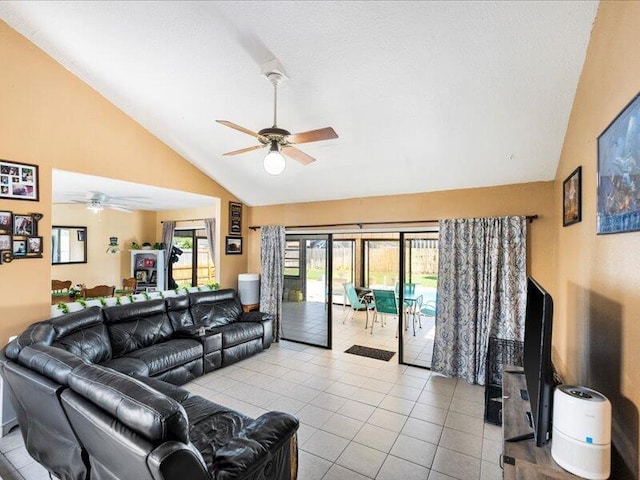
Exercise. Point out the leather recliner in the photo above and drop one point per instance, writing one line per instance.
(121, 427)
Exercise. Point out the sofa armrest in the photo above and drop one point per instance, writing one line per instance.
(255, 317)
(266, 443)
(177, 461)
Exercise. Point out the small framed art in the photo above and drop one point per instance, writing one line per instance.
(6, 222)
(142, 276)
(572, 198)
(235, 218)
(233, 246)
(18, 181)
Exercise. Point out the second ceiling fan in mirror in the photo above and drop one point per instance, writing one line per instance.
(279, 140)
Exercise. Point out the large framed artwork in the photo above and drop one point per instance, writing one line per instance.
(18, 181)
(619, 172)
(572, 198)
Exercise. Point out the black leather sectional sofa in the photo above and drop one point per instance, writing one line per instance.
(96, 394)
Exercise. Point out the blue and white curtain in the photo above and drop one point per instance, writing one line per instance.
(482, 292)
(272, 240)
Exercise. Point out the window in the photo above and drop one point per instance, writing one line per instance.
(381, 260)
(292, 258)
(194, 266)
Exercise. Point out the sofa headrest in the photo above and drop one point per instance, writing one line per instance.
(41, 333)
(72, 322)
(122, 313)
(138, 406)
(198, 298)
(54, 363)
(177, 303)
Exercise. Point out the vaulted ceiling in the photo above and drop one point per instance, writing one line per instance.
(424, 96)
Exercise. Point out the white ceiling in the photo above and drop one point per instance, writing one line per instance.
(69, 186)
(425, 96)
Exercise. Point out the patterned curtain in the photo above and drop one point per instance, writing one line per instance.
(272, 278)
(482, 292)
(210, 229)
(167, 238)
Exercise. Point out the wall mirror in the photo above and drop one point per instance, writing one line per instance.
(68, 245)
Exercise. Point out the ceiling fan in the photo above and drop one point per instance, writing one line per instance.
(278, 140)
(98, 201)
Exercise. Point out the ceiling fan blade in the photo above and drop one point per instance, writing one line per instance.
(298, 155)
(313, 136)
(243, 150)
(229, 124)
(119, 208)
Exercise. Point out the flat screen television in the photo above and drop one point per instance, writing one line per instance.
(538, 369)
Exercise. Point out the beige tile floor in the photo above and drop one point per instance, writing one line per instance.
(359, 418)
(307, 322)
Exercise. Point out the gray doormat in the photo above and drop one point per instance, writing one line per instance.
(370, 352)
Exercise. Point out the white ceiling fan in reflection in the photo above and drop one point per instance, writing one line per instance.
(98, 201)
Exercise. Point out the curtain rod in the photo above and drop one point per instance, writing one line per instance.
(187, 220)
(531, 218)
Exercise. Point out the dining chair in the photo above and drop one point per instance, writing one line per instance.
(99, 291)
(385, 303)
(60, 286)
(129, 285)
(356, 303)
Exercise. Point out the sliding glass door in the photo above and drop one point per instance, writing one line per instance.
(306, 316)
(420, 272)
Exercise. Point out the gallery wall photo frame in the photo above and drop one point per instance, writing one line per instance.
(235, 218)
(618, 196)
(572, 198)
(233, 246)
(19, 181)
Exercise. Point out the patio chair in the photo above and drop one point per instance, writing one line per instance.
(385, 304)
(356, 303)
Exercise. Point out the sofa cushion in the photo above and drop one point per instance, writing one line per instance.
(84, 334)
(178, 311)
(128, 366)
(239, 332)
(167, 355)
(212, 425)
(215, 308)
(138, 406)
(137, 325)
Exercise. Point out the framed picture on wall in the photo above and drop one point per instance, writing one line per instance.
(18, 181)
(233, 246)
(24, 225)
(34, 247)
(619, 172)
(235, 218)
(6, 222)
(572, 198)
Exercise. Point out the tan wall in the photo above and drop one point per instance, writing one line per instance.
(597, 305)
(103, 268)
(523, 199)
(52, 119)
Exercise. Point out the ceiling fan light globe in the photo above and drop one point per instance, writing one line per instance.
(274, 163)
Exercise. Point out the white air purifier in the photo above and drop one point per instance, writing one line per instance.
(581, 441)
(249, 288)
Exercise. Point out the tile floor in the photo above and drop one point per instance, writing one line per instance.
(307, 322)
(359, 418)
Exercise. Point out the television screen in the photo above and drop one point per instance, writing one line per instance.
(538, 369)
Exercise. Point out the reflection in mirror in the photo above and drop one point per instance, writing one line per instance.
(68, 245)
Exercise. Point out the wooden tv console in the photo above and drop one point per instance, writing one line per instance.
(523, 460)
